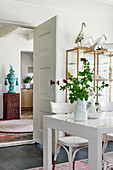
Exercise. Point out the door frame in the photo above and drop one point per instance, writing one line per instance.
(7, 144)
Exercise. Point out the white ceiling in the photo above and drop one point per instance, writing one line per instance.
(34, 12)
(6, 30)
(56, 3)
(109, 2)
(70, 5)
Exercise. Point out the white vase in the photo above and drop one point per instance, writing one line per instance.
(80, 113)
(27, 85)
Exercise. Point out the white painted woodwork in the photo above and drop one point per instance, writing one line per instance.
(92, 129)
(8, 30)
(17, 143)
(30, 36)
(11, 29)
(44, 71)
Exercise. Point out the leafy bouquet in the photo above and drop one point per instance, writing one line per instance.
(81, 88)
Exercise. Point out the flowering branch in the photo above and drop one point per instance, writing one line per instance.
(80, 88)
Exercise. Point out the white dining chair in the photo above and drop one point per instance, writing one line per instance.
(74, 143)
(106, 106)
(108, 160)
(107, 157)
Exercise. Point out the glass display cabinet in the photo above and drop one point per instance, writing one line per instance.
(101, 63)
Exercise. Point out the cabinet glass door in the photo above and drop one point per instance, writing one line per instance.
(101, 64)
(72, 63)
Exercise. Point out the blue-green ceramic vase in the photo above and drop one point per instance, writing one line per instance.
(11, 79)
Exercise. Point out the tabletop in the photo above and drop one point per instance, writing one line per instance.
(104, 121)
(91, 129)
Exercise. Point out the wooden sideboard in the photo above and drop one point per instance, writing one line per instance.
(11, 106)
(26, 98)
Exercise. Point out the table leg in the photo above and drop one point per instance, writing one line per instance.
(47, 148)
(95, 152)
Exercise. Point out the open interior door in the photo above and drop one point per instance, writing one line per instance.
(44, 74)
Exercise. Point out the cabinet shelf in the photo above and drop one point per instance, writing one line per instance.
(98, 79)
(103, 79)
(72, 64)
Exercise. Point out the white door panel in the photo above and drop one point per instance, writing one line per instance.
(45, 105)
(44, 88)
(44, 71)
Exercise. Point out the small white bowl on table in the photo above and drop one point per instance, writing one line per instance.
(98, 115)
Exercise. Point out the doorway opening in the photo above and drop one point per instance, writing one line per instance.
(27, 85)
(18, 40)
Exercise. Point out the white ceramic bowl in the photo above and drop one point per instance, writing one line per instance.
(95, 115)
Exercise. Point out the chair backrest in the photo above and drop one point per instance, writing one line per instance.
(60, 108)
(106, 106)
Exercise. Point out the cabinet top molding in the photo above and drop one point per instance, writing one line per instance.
(87, 50)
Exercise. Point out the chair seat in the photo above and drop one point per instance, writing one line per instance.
(110, 136)
(108, 157)
(73, 141)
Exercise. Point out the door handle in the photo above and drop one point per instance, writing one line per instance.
(53, 82)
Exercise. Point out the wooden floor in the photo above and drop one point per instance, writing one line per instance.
(20, 157)
(25, 157)
(31, 156)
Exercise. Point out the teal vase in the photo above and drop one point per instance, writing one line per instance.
(11, 80)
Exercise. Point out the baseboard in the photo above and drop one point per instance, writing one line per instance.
(17, 143)
(26, 108)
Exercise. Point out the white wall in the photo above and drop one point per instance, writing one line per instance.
(10, 53)
(69, 27)
(26, 61)
(98, 18)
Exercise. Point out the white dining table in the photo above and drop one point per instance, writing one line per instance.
(92, 129)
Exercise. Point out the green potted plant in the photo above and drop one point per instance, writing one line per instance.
(27, 81)
(80, 89)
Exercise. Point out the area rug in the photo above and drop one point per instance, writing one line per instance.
(13, 137)
(80, 165)
(20, 125)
